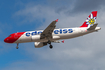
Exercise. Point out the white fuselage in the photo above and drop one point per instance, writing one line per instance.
(64, 33)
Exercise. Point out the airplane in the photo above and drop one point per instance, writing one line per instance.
(50, 34)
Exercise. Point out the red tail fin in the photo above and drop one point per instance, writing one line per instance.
(90, 20)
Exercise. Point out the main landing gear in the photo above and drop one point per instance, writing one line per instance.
(51, 46)
(49, 42)
(17, 46)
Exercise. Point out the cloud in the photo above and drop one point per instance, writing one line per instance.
(45, 15)
(77, 6)
(88, 5)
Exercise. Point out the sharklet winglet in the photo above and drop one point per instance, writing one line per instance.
(56, 20)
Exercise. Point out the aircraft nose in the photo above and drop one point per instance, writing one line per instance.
(6, 40)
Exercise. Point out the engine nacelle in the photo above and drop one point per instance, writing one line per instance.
(39, 44)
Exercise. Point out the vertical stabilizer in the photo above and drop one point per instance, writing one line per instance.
(90, 20)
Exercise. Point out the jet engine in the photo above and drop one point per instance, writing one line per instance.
(39, 44)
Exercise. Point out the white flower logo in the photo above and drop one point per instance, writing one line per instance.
(91, 20)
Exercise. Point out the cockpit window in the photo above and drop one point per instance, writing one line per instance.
(9, 36)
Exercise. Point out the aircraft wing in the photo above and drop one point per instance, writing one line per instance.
(47, 33)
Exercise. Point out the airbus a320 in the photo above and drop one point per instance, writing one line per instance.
(50, 34)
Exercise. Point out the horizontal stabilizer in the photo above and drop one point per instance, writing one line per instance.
(58, 41)
(93, 27)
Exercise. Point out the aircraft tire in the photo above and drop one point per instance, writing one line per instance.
(51, 46)
(17, 47)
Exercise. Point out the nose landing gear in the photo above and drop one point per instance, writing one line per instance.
(17, 46)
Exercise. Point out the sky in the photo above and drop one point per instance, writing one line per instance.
(82, 53)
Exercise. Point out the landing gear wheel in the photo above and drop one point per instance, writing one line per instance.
(49, 42)
(51, 46)
(17, 47)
